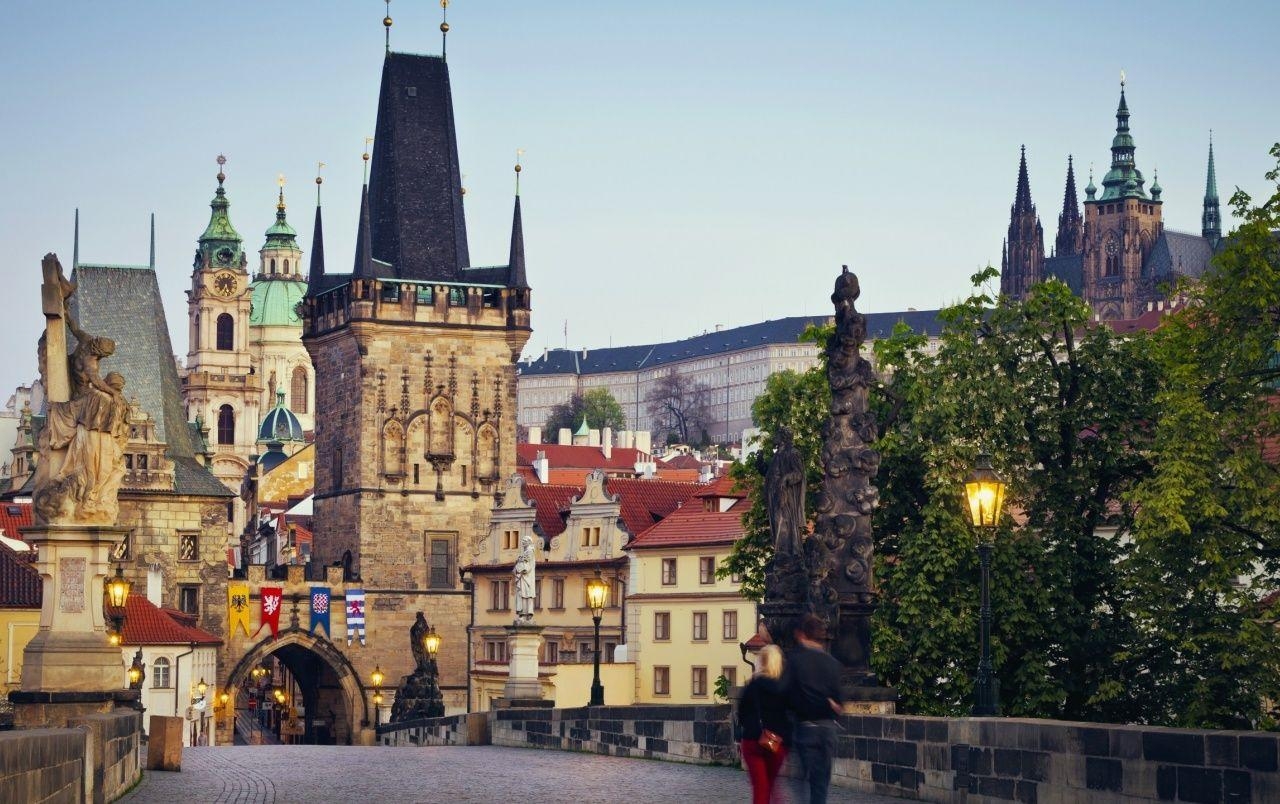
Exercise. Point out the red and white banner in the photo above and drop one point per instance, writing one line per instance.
(271, 601)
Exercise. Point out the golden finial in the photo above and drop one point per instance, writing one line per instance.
(280, 181)
(386, 23)
(221, 160)
(1122, 79)
(367, 142)
(319, 181)
(463, 188)
(444, 28)
(519, 153)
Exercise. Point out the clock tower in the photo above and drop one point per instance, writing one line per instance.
(220, 386)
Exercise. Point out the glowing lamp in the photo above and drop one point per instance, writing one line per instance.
(984, 493)
(597, 594)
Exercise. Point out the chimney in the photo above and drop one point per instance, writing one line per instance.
(643, 441)
(705, 474)
(542, 467)
(606, 442)
(535, 435)
(593, 437)
(584, 353)
(565, 437)
(155, 583)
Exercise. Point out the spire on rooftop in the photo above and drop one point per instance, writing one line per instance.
(317, 241)
(1124, 179)
(220, 244)
(1022, 197)
(1211, 218)
(1070, 238)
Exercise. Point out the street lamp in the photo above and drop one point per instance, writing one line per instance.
(597, 594)
(202, 687)
(136, 673)
(431, 641)
(984, 494)
(116, 590)
(377, 678)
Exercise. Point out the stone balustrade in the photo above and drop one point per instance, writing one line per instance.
(94, 759)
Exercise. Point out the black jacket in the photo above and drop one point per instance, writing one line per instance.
(812, 676)
(763, 704)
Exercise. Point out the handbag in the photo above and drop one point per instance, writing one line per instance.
(770, 741)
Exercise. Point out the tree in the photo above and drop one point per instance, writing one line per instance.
(597, 405)
(679, 408)
(1207, 531)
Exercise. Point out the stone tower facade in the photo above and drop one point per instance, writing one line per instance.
(1120, 230)
(221, 388)
(415, 355)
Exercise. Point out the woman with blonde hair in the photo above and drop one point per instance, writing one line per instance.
(766, 729)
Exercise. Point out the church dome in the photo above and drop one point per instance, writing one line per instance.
(280, 424)
(275, 302)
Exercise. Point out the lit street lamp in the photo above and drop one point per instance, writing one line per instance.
(377, 678)
(984, 494)
(136, 672)
(431, 641)
(116, 590)
(597, 594)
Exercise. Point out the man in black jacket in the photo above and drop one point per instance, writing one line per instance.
(813, 690)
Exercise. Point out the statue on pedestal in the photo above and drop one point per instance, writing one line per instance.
(82, 443)
(526, 591)
(419, 695)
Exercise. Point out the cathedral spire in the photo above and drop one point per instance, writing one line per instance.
(1022, 198)
(75, 248)
(220, 244)
(1022, 263)
(1124, 180)
(1211, 218)
(153, 241)
(516, 272)
(316, 276)
(364, 241)
(1070, 238)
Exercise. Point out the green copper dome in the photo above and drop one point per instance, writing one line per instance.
(280, 424)
(583, 429)
(275, 302)
(220, 242)
(1123, 180)
(281, 235)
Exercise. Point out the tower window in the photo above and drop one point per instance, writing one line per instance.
(226, 425)
(273, 265)
(226, 333)
(286, 266)
(298, 390)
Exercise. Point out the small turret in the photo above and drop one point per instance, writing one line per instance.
(1211, 218)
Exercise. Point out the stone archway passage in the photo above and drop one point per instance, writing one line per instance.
(314, 659)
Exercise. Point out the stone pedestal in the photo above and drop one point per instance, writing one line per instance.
(164, 743)
(70, 652)
(523, 642)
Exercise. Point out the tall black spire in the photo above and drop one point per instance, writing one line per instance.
(516, 271)
(1022, 263)
(415, 188)
(1211, 218)
(364, 253)
(1070, 238)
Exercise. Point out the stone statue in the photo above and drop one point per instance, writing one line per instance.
(784, 492)
(525, 568)
(82, 443)
(416, 644)
(418, 694)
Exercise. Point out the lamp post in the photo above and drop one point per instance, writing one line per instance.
(376, 677)
(597, 594)
(984, 494)
(136, 672)
(116, 590)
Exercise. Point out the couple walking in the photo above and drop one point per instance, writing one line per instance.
(792, 705)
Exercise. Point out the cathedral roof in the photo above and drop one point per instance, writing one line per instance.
(124, 304)
(275, 302)
(1178, 253)
(280, 424)
(1069, 268)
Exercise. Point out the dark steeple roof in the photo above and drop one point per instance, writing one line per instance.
(317, 254)
(1022, 198)
(123, 303)
(1124, 180)
(1070, 238)
(1211, 218)
(516, 261)
(1022, 262)
(415, 190)
(364, 259)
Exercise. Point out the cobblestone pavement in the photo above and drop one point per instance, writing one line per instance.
(322, 774)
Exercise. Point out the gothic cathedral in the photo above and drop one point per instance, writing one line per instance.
(415, 354)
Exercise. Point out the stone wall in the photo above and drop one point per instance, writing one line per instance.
(95, 760)
(696, 734)
(470, 729)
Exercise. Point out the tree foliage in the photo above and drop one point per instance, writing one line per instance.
(680, 409)
(597, 405)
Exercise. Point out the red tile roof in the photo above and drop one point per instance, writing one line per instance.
(14, 516)
(691, 526)
(645, 502)
(147, 624)
(20, 586)
(722, 486)
(682, 461)
(550, 502)
(564, 456)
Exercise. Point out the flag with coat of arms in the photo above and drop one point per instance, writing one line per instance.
(355, 614)
(320, 609)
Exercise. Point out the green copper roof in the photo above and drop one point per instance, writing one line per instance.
(583, 429)
(1124, 180)
(220, 243)
(281, 235)
(275, 302)
(280, 424)
(1211, 180)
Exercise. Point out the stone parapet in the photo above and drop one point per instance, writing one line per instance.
(468, 729)
(96, 759)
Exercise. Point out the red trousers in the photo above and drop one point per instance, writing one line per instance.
(762, 769)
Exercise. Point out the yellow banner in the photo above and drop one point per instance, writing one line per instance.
(237, 607)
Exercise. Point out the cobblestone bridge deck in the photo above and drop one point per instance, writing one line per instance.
(323, 774)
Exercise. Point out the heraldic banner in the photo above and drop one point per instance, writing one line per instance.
(355, 614)
(271, 596)
(320, 609)
(238, 608)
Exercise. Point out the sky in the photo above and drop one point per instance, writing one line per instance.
(686, 164)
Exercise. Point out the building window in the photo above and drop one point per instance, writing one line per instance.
(188, 547)
(662, 625)
(668, 572)
(591, 537)
(557, 593)
(441, 562)
(698, 682)
(510, 539)
(500, 595)
(537, 594)
(735, 577)
(662, 681)
(730, 674)
(160, 676)
(298, 390)
(707, 569)
(226, 425)
(586, 651)
(495, 650)
(617, 591)
(729, 624)
(457, 297)
(552, 652)
(226, 333)
(699, 626)
(189, 599)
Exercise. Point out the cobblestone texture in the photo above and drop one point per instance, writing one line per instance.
(315, 774)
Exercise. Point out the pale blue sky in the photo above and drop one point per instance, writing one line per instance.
(687, 164)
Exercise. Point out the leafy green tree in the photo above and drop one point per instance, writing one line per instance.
(597, 405)
(1207, 530)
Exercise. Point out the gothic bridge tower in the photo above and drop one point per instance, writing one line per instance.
(415, 357)
(1120, 229)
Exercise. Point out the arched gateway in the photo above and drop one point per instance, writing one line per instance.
(333, 698)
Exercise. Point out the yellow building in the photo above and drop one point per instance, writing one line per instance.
(580, 530)
(20, 595)
(685, 625)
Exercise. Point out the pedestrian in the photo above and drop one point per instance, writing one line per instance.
(765, 725)
(812, 685)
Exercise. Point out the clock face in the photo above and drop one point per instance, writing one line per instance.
(224, 256)
(225, 284)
